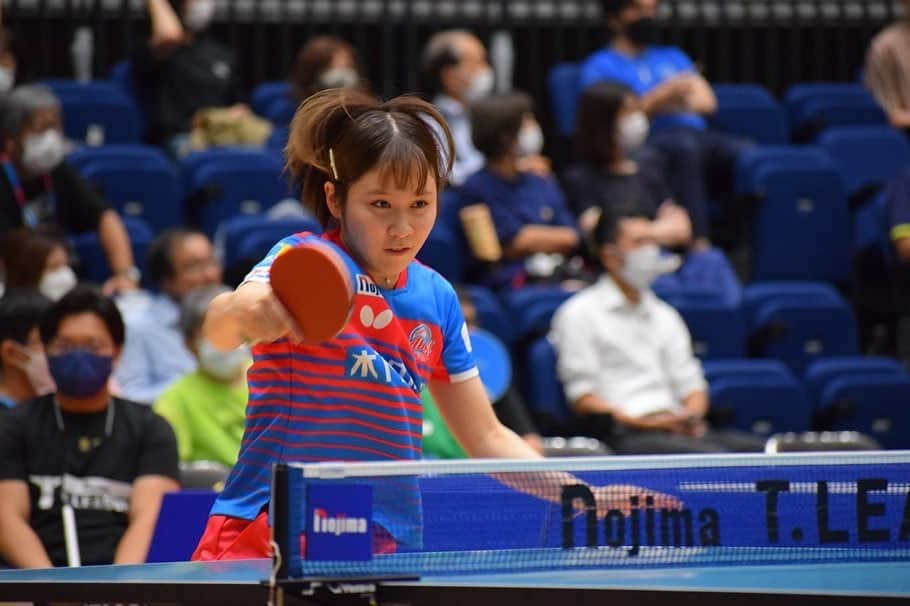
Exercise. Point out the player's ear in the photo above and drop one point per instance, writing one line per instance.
(331, 199)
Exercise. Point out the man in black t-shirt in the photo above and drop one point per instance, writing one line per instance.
(183, 70)
(39, 188)
(106, 461)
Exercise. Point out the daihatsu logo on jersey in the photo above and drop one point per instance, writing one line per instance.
(325, 523)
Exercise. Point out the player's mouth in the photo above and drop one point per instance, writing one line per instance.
(398, 250)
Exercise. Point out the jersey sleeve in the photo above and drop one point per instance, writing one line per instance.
(12, 446)
(457, 361)
(260, 272)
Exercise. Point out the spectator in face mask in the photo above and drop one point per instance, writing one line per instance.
(207, 407)
(38, 188)
(325, 62)
(529, 211)
(8, 62)
(37, 261)
(455, 73)
(23, 366)
(611, 127)
(155, 355)
(622, 351)
(184, 70)
(676, 99)
(108, 460)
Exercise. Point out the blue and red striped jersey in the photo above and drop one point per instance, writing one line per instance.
(356, 397)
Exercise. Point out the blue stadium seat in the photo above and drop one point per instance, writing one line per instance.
(545, 395)
(718, 329)
(706, 275)
(97, 109)
(798, 323)
(490, 313)
(821, 373)
(246, 237)
(867, 156)
(124, 77)
(280, 110)
(278, 139)
(181, 522)
(718, 369)
(764, 402)
(83, 157)
(92, 259)
(441, 252)
(564, 84)
(229, 182)
(803, 229)
(814, 106)
(142, 186)
(532, 307)
(749, 110)
(266, 92)
(875, 405)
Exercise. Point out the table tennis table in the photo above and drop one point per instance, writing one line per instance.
(243, 583)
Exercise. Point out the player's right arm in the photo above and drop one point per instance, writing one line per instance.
(250, 314)
(19, 545)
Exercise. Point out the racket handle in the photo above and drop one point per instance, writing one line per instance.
(71, 536)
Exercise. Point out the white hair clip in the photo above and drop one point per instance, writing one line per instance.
(332, 164)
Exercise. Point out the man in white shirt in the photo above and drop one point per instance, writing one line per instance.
(624, 352)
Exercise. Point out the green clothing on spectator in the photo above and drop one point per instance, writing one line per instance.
(438, 441)
(207, 416)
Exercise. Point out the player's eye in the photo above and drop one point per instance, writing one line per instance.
(420, 204)
(382, 204)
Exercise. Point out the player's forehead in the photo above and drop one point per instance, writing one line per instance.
(399, 183)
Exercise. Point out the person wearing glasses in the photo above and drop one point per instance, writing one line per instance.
(82, 473)
(179, 261)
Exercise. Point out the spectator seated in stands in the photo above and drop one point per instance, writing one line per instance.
(622, 351)
(36, 261)
(897, 199)
(676, 98)
(207, 408)
(455, 73)
(107, 459)
(611, 127)
(8, 62)
(536, 230)
(23, 366)
(887, 70)
(38, 188)
(325, 62)
(184, 71)
(510, 408)
(179, 261)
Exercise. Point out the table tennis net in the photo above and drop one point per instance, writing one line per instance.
(443, 518)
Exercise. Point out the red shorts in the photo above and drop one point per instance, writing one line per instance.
(227, 538)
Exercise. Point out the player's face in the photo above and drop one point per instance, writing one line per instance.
(385, 225)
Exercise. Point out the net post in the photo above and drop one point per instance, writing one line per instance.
(281, 519)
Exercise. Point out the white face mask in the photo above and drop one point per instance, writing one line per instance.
(54, 284)
(223, 365)
(7, 79)
(481, 85)
(645, 264)
(633, 130)
(339, 77)
(530, 140)
(34, 365)
(199, 14)
(42, 153)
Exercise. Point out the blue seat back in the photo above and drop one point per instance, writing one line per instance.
(763, 403)
(266, 92)
(181, 522)
(718, 330)
(92, 258)
(97, 108)
(822, 372)
(875, 405)
(866, 156)
(491, 314)
(441, 251)
(532, 308)
(564, 84)
(247, 237)
(749, 110)
(544, 391)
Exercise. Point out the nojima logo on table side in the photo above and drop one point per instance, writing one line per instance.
(337, 525)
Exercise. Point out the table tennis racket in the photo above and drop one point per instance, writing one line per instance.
(314, 284)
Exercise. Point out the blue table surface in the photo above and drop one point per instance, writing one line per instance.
(868, 578)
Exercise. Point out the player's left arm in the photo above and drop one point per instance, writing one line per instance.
(469, 415)
(145, 501)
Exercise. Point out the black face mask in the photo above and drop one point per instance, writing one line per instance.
(642, 32)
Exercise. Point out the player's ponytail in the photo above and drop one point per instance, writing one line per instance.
(338, 135)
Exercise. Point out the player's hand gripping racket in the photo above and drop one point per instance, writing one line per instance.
(313, 283)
